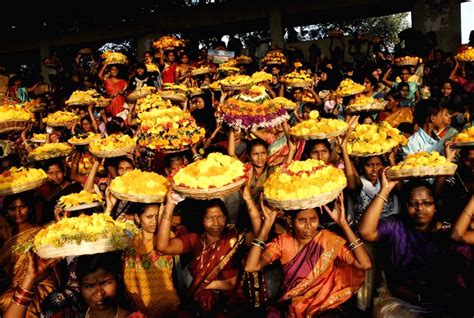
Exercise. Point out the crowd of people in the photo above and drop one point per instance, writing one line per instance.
(383, 248)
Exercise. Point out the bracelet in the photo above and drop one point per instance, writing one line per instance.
(356, 246)
(464, 211)
(21, 301)
(197, 157)
(167, 216)
(381, 197)
(24, 292)
(357, 241)
(260, 242)
(258, 245)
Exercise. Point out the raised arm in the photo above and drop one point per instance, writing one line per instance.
(89, 185)
(353, 180)
(453, 76)
(461, 231)
(386, 80)
(95, 125)
(164, 244)
(255, 262)
(254, 213)
(370, 219)
(231, 143)
(338, 214)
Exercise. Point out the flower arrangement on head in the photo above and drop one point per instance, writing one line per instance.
(466, 55)
(76, 199)
(348, 87)
(318, 128)
(111, 57)
(303, 180)
(298, 79)
(15, 177)
(274, 57)
(252, 107)
(230, 66)
(60, 118)
(50, 150)
(168, 129)
(151, 101)
(168, 42)
(467, 135)
(137, 182)
(367, 139)
(14, 112)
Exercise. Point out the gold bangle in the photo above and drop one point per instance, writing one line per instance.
(167, 216)
(381, 197)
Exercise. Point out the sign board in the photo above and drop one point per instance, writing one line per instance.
(219, 56)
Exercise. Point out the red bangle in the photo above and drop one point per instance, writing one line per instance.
(21, 301)
(24, 292)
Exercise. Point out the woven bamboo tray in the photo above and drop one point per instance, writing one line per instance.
(361, 90)
(136, 95)
(463, 144)
(119, 152)
(49, 155)
(60, 124)
(13, 125)
(82, 206)
(102, 102)
(422, 172)
(138, 197)
(84, 248)
(360, 154)
(301, 84)
(235, 87)
(200, 71)
(366, 108)
(22, 187)
(176, 97)
(208, 194)
(406, 63)
(321, 135)
(303, 204)
(79, 143)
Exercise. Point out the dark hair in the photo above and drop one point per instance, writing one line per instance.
(26, 197)
(139, 208)
(113, 127)
(296, 89)
(169, 158)
(364, 160)
(402, 85)
(52, 162)
(373, 81)
(310, 145)
(140, 65)
(311, 106)
(125, 158)
(424, 109)
(363, 117)
(408, 189)
(407, 128)
(293, 214)
(199, 217)
(87, 117)
(395, 94)
(256, 142)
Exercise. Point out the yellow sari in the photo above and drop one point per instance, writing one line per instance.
(13, 268)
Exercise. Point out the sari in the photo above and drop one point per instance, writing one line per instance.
(319, 277)
(278, 149)
(402, 115)
(13, 268)
(213, 262)
(117, 102)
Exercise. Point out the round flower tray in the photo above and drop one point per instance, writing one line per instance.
(374, 107)
(136, 95)
(235, 87)
(22, 187)
(13, 125)
(321, 135)
(463, 144)
(361, 154)
(138, 197)
(82, 207)
(60, 124)
(302, 204)
(211, 193)
(173, 96)
(49, 155)
(200, 71)
(84, 248)
(119, 152)
(422, 172)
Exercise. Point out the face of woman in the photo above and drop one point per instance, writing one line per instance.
(148, 58)
(18, 212)
(184, 59)
(55, 175)
(404, 91)
(305, 113)
(368, 120)
(99, 290)
(392, 103)
(148, 219)
(275, 70)
(258, 156)
(198, 103)
(298, 95)
(171, 57)
(372, 169)
(114, 71)
(306, 224)
(441, 119)
(86, 125)
(214, 221)
(274, 79)
(320, 152)
(420, 206)
(140, 71)
(368, 85)
(446, 90)
(123, 167)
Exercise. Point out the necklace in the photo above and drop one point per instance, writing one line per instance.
(89, 308)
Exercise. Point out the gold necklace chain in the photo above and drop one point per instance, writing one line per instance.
(89, 308)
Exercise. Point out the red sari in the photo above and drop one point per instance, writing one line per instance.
(168, 74)
(214, 262)
(319, 277)
(117, 102)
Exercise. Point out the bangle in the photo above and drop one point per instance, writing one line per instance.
(381, 197)
(357, 241)
(259, 243)
(24, 292)
(464, 211)
(197, 157)
(21, 301)
(356, 246)
(167, 216)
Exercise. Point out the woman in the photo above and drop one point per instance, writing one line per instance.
(168, 65)
(320, 272)
(215, 268)
(183, 71)
(140, 78)
(17, 92)
(371, 87)
(115, 86)
(19, 211)
(320, 149)
(417, 266)
(57, 185)
(396, 114)
(117, 208)
(152, 68)
(143, 264)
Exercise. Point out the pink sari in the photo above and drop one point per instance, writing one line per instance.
(319, 277)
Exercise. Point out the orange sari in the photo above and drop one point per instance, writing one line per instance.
(319, 277)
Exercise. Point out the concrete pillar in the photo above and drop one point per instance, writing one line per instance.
(44, 53)
(449, 38)
(275, 22)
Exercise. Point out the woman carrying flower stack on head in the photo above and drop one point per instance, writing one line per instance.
(168, 66)
(144, 264)
(19, 211)
(417, 256)
(115, 86)
(321, 269)
(216, 266)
